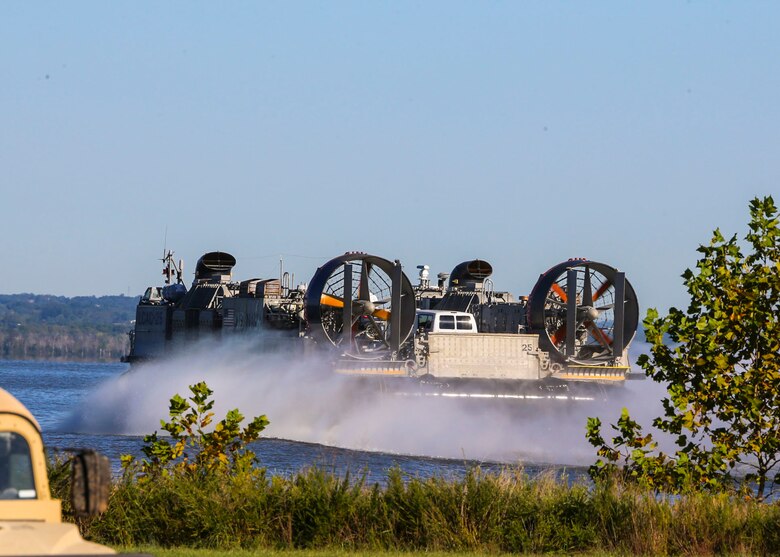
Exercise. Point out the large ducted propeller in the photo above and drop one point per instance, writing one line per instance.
(347, 299)
(577, 323)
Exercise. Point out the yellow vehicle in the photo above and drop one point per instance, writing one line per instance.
(30, 519)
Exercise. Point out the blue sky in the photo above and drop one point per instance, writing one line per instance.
(433, 132)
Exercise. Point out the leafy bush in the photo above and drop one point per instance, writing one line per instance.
(190, 449)
(721, 370)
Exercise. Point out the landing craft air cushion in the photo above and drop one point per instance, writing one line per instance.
(457, 337)
(170, 318)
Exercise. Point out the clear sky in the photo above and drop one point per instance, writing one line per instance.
(431, 132)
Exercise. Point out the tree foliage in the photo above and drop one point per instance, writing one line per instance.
(720, 362)
(191, 447)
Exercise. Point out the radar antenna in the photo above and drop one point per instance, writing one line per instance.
(170, 267)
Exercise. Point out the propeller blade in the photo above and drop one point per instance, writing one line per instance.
(587, 293)
(331, 301)
(382, 314)
(601, 289)
(559, 335)
(363, 290)
(335, 302)
(382, 333)
(605, 308)
(558, 290)
(601, 337)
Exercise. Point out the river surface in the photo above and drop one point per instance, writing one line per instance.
(313, 422)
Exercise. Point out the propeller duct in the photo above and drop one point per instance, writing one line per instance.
(585, 312)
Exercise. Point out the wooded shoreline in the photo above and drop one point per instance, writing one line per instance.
(83, 328)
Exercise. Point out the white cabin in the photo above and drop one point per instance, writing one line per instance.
(443, 321)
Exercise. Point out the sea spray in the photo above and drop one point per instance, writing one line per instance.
(306, 401)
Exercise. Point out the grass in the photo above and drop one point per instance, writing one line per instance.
(188, 552)
(315, 513)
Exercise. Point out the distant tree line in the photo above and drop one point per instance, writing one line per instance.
(86, 328)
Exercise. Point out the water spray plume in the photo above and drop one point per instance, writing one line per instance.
(307, 402)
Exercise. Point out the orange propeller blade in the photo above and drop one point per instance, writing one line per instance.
(559, 335)
(382, 314)
(601, 337)
(558, 290)
(603, 288)
(332, 301)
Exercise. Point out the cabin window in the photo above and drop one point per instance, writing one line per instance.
(464, 322)
(447, 322)
(424, 321)
(16, 475)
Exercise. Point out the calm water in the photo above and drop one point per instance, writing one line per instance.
(54, 391)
